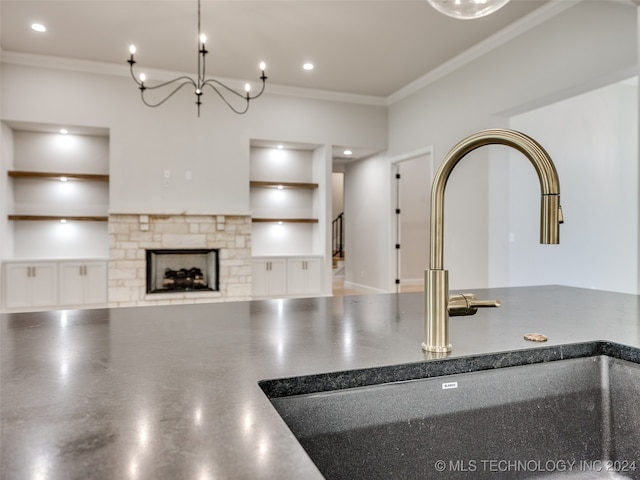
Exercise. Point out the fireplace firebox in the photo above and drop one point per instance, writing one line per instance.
(182, 270)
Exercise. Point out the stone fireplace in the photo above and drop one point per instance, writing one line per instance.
(208, 258)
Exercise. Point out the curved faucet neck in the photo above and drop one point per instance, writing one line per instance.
(551, 215)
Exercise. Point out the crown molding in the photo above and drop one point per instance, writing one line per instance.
(103, 68)
(535, 18)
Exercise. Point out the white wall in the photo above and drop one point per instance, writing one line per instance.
(366, 244)
(587, 46)
(337, 194)
(54, 152)
(593, 139)
(145, 142)
(6, 190)
(53, 240)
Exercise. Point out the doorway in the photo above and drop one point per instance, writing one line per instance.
(412, 177)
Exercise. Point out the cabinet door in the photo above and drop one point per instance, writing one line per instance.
(44, 285)
(17, 285)
(71, 283)
(278, 278)
(314, 276)
(297, 276)
(95, 283)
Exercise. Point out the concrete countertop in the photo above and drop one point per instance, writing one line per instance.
(172, 391)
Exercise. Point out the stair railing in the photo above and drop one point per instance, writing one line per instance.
(337, 236)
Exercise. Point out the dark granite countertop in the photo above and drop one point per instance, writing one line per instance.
(172, 392)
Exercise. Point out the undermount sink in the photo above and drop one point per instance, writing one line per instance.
(570, 411)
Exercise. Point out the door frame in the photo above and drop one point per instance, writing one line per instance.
(393, 164)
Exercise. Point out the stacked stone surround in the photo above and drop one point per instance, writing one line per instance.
(130, 235)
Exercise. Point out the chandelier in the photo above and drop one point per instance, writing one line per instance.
(224, 92)
(467, 9)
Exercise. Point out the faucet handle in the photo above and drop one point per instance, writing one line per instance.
(467, 304)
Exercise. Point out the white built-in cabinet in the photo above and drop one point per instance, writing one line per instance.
(269, 277)
(287, 192)
(30, 285)
(304, 275)
(287, 276)
(40, 285)
(83, 283)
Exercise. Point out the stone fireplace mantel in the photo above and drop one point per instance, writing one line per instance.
(131, 235)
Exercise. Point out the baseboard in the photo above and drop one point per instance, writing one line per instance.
(359, 286)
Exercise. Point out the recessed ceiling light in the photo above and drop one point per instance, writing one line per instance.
(64, 131)
(308, 66)
(280, 147)
(348, 152)
(38, 27)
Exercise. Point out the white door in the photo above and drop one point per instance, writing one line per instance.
(413, 189)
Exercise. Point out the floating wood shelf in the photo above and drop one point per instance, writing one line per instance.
(284, 220)
(57, 218)
(75, 176)
(283, 184)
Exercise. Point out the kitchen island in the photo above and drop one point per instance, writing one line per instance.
(172, 391)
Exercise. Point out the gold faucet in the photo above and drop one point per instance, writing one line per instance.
(438, 305)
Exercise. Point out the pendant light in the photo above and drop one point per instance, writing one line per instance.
(467, 9)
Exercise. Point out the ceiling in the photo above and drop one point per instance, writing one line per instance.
(370, 48)
(366, 47)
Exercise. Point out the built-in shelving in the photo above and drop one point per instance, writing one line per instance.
(262, 184)
(75, 176)
(285, 220)
(287, 195)
(58, 176)
(58, 218)
(55, 215)
(294, 168)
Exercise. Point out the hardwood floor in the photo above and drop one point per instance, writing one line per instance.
(339, 289)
